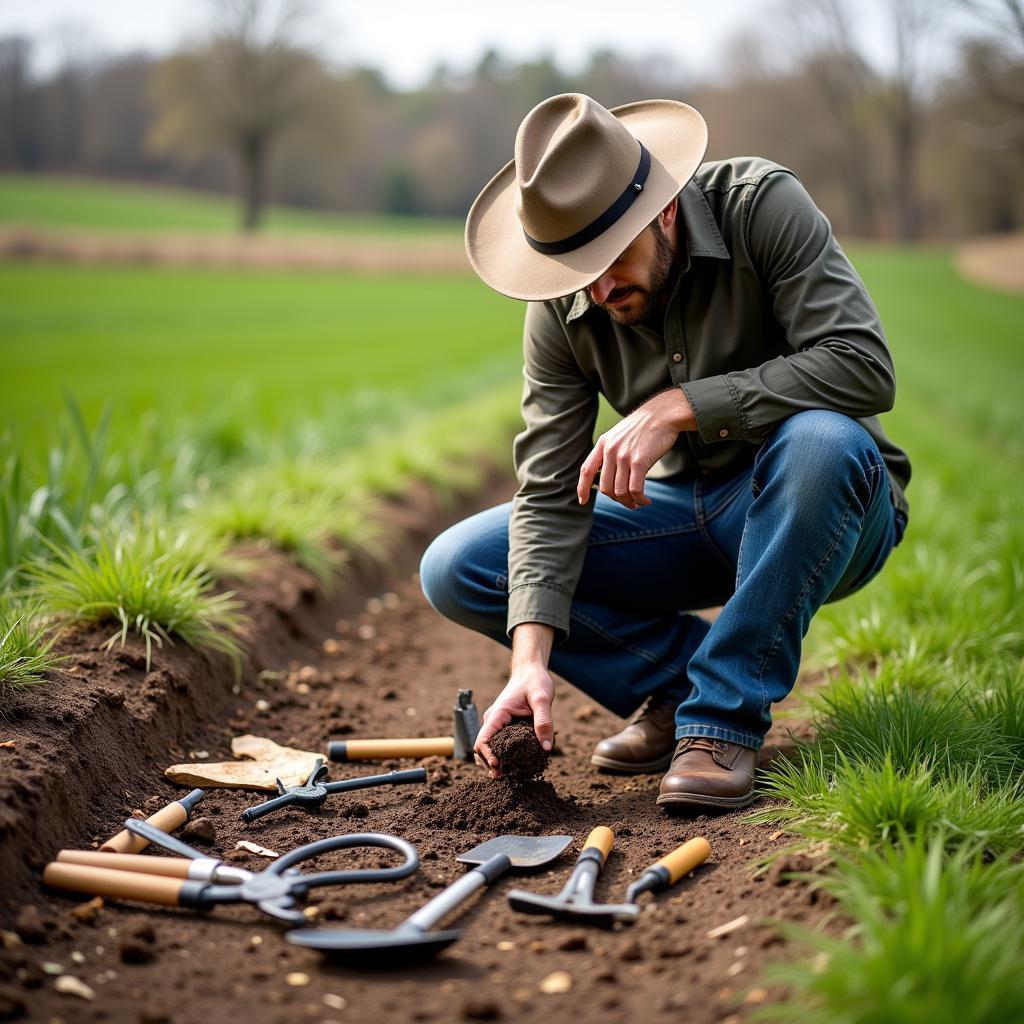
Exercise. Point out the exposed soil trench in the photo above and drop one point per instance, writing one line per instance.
(390, 667)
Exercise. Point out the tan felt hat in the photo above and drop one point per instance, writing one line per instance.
(584, 183)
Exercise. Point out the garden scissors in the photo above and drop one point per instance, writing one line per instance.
(204, 882)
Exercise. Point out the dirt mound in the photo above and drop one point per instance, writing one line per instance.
(521, 757)
(496, 806)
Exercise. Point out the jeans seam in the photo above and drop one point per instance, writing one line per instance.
(642, 535)
(739, 484)
(702, 518)
(640, 652)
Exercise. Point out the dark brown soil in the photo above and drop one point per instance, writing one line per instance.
(521, 757)
(90, 749)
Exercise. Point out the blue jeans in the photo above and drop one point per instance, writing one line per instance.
(811, 521)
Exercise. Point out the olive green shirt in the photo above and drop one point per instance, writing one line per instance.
(767, 318)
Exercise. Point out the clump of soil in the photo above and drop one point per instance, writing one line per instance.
(482, 805)
(521, 757)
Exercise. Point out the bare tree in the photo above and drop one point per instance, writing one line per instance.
(244, 89)
(821, 32)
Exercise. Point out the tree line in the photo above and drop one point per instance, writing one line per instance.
(250, 107)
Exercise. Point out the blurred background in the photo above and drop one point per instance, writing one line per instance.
(905, 118)
(231, 230)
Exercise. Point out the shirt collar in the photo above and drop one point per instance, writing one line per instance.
(702, 239)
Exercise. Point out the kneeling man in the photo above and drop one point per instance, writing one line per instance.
(713, 308)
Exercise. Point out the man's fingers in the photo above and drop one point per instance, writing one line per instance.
(637, 476)
(495, 719)
(542, 725)
(591, 464)
(622, 495)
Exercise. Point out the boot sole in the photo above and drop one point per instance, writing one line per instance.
(703, 800)
(631, 767)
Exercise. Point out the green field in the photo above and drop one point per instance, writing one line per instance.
(267, 347)
(52, 201)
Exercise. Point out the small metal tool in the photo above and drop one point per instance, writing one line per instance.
(576, 903)
(310, 796)
(576, 900)
(412, 940)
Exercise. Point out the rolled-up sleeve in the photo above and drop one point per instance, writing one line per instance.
(839, 359)
(548, 530)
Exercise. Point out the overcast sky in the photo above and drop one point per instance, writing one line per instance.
(406, 38)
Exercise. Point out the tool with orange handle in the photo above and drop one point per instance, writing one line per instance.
(575, 902)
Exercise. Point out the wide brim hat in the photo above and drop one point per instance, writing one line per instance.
(584, 183)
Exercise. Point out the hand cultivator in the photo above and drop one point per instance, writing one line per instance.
(413, 940)
(576, 900)
(314, 792)
(202, 882)
(465, 726)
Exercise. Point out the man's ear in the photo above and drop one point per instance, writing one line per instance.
(667, 217)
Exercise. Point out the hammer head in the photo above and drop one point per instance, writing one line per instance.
(604, 915)
(465, 725)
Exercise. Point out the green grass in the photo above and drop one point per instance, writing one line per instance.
(95, 204)
(936, 939)
(26, 644)
(148, 580)
(244, 353)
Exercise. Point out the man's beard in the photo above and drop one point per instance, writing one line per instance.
(649, 297)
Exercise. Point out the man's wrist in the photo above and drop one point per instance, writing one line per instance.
(532, 643)
(680, 411)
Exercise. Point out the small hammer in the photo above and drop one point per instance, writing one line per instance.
(465, 726)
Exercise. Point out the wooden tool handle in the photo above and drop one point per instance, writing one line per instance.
(167, 819)
(601, 838)
(168, 867)
(126, 885)
(684, 858)
(382, 750)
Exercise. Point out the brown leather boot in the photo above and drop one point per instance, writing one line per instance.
(646, 743)
(709, 773)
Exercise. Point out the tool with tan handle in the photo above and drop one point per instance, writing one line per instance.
(465, 726)
(575, 901)
(168, 818)
(275, 890)
(190, 864)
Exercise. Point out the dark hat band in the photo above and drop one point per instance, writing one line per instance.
(606, 219)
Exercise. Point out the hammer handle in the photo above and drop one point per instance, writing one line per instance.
(126, 885)
(382, 750)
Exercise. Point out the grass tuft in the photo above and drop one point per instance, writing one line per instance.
(26, 644)
(148, 580)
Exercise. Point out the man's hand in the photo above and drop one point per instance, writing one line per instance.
(626, 453)
(529, 691)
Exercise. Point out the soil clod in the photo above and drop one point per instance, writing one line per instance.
(521, 757)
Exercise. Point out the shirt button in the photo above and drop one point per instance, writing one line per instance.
(723, 432)
(676, 357)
